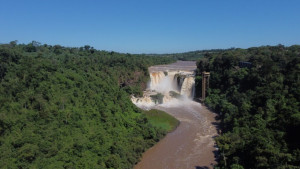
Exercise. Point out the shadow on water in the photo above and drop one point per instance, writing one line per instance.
(217, 126)
(217, 155)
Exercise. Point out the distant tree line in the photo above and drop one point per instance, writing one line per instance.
(190, 56)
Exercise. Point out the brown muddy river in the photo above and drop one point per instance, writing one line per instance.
(191, 145)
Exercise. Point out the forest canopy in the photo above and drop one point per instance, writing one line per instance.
(64, 107)
(256, 93)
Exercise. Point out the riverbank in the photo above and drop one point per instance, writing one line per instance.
(190, 146)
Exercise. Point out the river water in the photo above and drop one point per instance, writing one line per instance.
(191, 145)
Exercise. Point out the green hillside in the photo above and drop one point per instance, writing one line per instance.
(258, 105)
(70, 107)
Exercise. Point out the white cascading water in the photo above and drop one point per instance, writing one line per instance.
(187, 88)
(155, 79)
(181, 82)
(192, 143)
(161, 82)
(166, 82)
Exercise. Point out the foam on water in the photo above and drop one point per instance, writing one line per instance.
(163, 82)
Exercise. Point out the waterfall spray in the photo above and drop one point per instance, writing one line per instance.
(172, 86)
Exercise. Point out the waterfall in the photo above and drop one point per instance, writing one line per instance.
(181, 82)
(187, 88)
(162, 81)
(173, 85)
(155, 79)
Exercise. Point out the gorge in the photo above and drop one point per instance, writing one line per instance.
(191, 145)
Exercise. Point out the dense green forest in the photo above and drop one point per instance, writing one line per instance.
(66, 107)
(258, 105)
(63, 107)
(190, 56)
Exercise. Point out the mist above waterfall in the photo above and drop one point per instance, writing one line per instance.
(168, 87)
(162, 82)
(182, 82)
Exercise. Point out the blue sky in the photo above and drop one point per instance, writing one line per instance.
(151, 26)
